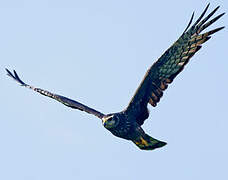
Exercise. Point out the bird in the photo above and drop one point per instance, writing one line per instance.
(127, 124)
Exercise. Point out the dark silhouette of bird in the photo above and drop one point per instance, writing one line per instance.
(127, 123)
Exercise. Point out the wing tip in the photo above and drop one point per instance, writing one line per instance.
(7, 70)
(190, 22)
(15, 77)
(215, 30)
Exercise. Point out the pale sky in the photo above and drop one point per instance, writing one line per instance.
(97, 52)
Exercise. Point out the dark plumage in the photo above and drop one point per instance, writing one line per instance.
(127, 123)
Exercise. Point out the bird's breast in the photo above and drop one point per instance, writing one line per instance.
(125, 129)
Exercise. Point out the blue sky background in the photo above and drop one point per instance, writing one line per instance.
(97, 52)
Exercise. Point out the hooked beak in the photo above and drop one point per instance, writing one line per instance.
(104, 119)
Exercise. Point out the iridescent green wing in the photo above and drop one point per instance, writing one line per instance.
(169, 65)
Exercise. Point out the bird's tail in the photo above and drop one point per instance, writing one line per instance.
(146, 142)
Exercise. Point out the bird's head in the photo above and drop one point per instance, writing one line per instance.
(110, 121)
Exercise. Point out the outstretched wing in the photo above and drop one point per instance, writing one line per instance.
(169, 65)
(66, 101)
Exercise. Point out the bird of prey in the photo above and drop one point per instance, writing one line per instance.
(127, 123)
